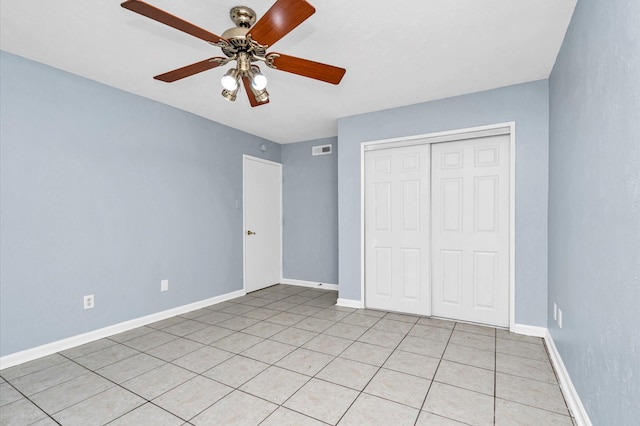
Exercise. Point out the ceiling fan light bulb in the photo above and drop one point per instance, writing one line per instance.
(259, 82)
(230, 80)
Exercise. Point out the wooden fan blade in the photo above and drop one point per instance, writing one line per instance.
(279, 20)
(189, 70)
(252, 98)
(159, 15)
(307, 68)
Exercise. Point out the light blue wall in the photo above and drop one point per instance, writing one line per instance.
(527, 105)
(594, 208)
(103, 192)
(310, 191)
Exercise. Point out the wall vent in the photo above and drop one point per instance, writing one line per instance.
(321, 150)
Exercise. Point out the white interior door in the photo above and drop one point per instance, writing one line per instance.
(262, 223)
(397, 229)
(470, 232)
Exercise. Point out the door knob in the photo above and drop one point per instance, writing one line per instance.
(250, 233)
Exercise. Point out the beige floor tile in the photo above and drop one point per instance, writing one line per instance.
(19, 413)
(381, 338)
(421, 346)
(275, 384)
(148, 414)
(429, 419)
(286, 318)
(232, 410)
(235, 371)
(466, 376)
(285, 417)
(474, 328)
(168, 322)
(473, 340)
(362, 320)
(329, 345)
(393, 326)
(316, 325)
(411, 319)
(322, 400)
(106, 356)
(369, 410)
(438, 334)
(261, 313)
(264, 329)
(348, 373)
(294, 336)
(70, 392)
(522, 349)
(237, 342)
(346, 331)
(530, 392)
(525, 367)
(304, 310)
(129, 368)
(30, 367)
(470, 356)
(100, 409)
(238, 309)
(269, 351)
(203, 359)
(510, 413)
(186, 327)
(82, 350)
(192, 397)
(414, 364)
(209, 334)
(238, 323)
(330, 315)
(8, 394)
(48, 377)
(459, 404)
(369, 354)
(305, 361)
(157, 381)
(175, 349)
(399, 387)
(150, 340)
(505, 334)
(435, 322)
(131, 334)
(215, 317)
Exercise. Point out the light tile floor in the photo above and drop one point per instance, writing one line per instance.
(287, 355)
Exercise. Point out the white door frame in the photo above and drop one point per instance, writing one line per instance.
(447, 136)
(244, 217)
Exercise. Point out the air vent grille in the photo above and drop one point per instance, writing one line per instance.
(321, 150)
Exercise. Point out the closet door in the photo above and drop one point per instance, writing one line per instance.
(397, 229)
(470, 230)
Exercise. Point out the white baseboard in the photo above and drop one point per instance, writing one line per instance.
(70, 342)
(314, 284)
(350, 303)
(570, 394)
(529, 330)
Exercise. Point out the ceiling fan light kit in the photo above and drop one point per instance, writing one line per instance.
(245, 44)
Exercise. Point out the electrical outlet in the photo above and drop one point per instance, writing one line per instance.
(559, 318)
(164, 285)
(89, 301)
(555, 311)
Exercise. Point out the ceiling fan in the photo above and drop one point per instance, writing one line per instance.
(246, 43)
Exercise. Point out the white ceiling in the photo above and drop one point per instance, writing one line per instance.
(395, 53)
